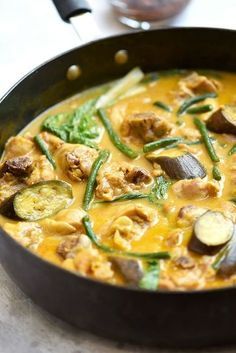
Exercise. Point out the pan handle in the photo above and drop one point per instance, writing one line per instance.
(70, 8)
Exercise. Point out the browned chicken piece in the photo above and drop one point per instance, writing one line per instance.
(18, 146)
(195, 84)
(196, 189)
(42, 170)
(9, 185)
(131, 224)
(146, 126)
(76, 160)
(52, 141)
(19, 166)
(188, 214)
(68, 247)
(115, 179)
(184, 262)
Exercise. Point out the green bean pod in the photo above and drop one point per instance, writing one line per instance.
(152, 146)
(43, 147)
(232, 150)
(194, 100)
(200, 109)
(163, 106)
(216, 173)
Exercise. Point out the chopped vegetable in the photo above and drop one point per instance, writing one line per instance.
(102, 158)
(160, 190)
(206, 139)
(200, 109)
(185, 166)
(151, 276)
(43, 146)
(42, 200)
(216, 173)
(232, 150)
(151, 146)
(194, 100)
(123, 85)
(126, 197)
(114, 137)
(148, 256)
(226, 265)
(223, 120)
(131, 269)
(163, 106)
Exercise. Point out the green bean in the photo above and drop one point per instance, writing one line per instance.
(92, 236)
(200, 109)
(126, 197)
(194, 100)
(151, 146)
(232, 150)
(216, 173)
(206, 139)
(43, 147)
(163, 106)
(114, 137)
(102, 158)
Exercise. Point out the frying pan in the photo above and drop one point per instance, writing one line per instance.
(176, 319)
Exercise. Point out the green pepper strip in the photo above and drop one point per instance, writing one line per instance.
(43, 147)
(206, 139)
(102, 158)
(92, 236)
(114, 137)
(194, 100)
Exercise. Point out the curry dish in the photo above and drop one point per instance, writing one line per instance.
(132, 183)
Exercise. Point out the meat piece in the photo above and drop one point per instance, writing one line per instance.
(42, 170)
(131, 224)
(52, 141)
(175, 238)
(52, 227)
(19, 166)
(188, 214)
(9, 185)
(120, 178)
(72, 244)
(131, 269)
(18, 146)
(76, 160)
(184, 262)
(72, 216)
(196, 189)
(146, 126)
(195, 84)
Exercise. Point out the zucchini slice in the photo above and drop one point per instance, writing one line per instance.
(223, 120)
(42, 200)
(211, 232)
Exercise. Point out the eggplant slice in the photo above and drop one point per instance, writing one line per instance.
(211, 232)
(181, 167)
(223, 120)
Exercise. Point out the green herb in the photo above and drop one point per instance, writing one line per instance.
(200, 109)
(114, 137)
(151, 276)
(42, 145)
(216, 173)
(194, 100)
(232, 150)
(92, 236)
(163, 106)
(160, 190)
(151, 146)
(126, 197)
(102, 158)
(206, 139)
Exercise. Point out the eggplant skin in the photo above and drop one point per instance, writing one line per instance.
(182, 167)
(196, 246)
(7, 208)
(227, 266)
(223, 120)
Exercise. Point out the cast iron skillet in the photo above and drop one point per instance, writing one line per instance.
(157, 318)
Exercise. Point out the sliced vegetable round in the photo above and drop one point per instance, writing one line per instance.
(185, 166)
(211, 231)
(223, 120)
(42, 200)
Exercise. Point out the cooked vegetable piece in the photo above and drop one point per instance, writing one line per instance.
(211, 232)
(151, 276)
(195, 100)
(7, 209)
(226, 265)
(131, 269)
(163, 106)
(207, 140)
(122, 86)
(126, 197)
(92, 236)
(152, 146)
(114, 136)
(200, 109)
(42, 200)
(232, 150)
(43, 146)
(185, 166)
(160, 190)
(223, 120)
(216, 173)
(102, 158)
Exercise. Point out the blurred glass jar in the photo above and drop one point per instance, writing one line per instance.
(146, 13)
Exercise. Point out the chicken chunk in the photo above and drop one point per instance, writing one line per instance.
(195, 84)
(188, 214)
(146, 126)
(119, 178)
(19, 166)
(196, 189)
(9, 185)
(52, 141)
(68, 247)
(18, 146)
(76, 160)
(131, 225)
(73, 217)
(42, 170)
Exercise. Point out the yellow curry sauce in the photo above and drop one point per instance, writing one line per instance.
(158, 226)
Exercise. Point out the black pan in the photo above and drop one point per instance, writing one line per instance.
(164, 318)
